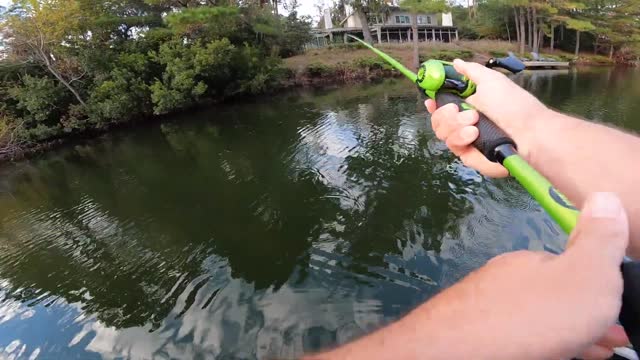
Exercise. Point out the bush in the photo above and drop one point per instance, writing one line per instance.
(145, 59)
(595, 59)
(371, 63)
(346, 46)
(210, 23)
(294, 35)
(120, 98)
(191, 71)
(123, 93)
(40, 101)
(498, 53)
(255, 73)
(12, 135)
(448, 55)
(316, 69)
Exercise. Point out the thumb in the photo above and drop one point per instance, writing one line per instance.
(602, 232)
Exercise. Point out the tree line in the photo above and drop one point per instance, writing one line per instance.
(611, 26)
(72, 65)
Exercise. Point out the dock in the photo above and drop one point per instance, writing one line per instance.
(546, 64)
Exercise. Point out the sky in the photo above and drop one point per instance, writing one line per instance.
(307, 7)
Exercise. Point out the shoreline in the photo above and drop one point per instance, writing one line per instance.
(296, 81)
(317, 68)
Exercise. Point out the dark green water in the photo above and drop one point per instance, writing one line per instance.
(262, 230)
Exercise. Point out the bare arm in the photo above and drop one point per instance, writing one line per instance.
(581, 157)
(522, 305)
(577, 156)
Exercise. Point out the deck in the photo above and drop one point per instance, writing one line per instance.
(381, 33)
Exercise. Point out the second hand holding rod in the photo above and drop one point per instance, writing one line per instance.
(440, 81)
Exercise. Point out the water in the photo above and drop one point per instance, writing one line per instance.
(262, 230)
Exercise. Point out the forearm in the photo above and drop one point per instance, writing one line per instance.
(428, 332)
(469, 320)
(581, 157)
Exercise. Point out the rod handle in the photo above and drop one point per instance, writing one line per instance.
(630, 311)
(491, 136)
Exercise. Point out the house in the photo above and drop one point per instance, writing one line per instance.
(395, 16)
(392, 25)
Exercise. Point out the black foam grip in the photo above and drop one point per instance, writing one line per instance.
(630, 311)
(491, 136)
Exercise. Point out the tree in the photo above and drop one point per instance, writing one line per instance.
(615, 22)
(337, 11)
(421, 6)
(361, 8)
(39, 31)
(521, 21)
(180, 4)
(579, 26)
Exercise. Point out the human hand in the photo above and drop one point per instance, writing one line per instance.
(533, 305)
(512, 108)
(522, 305)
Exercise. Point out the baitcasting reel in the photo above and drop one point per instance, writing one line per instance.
(438, 75)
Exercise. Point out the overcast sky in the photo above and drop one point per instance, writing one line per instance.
(307, 7)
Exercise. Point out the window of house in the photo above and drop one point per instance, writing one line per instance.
(424, 19)
(402, 19)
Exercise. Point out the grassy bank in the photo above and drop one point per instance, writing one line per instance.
(352, 58)
(341, 64)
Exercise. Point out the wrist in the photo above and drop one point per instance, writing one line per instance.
(533, 135)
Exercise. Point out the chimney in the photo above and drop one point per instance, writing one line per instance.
(327, 19)
(447, 19)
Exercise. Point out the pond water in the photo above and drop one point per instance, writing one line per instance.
(265, 229)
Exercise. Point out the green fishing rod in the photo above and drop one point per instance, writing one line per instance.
(440, 81)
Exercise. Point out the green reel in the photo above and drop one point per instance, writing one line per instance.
(436, 75)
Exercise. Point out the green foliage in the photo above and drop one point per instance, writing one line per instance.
(190, 72)
(119, 98)
(594, 59)
(80, 64)
(316, 69)
(580, 25)
(32, 108)
(346, 46)
(296, 32)
(424, 6)
(206, 22)
(498, 53)
(371, 63)
(122, 94)
(558, 57)
(39, 100)
(254, 73)
(448, 55)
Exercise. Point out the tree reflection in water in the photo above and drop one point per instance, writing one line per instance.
(255, 231)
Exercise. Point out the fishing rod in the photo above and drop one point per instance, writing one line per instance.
(440, 81)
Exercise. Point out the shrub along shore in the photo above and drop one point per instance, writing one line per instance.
(57, 83)
(72, 68)
(348, 62)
